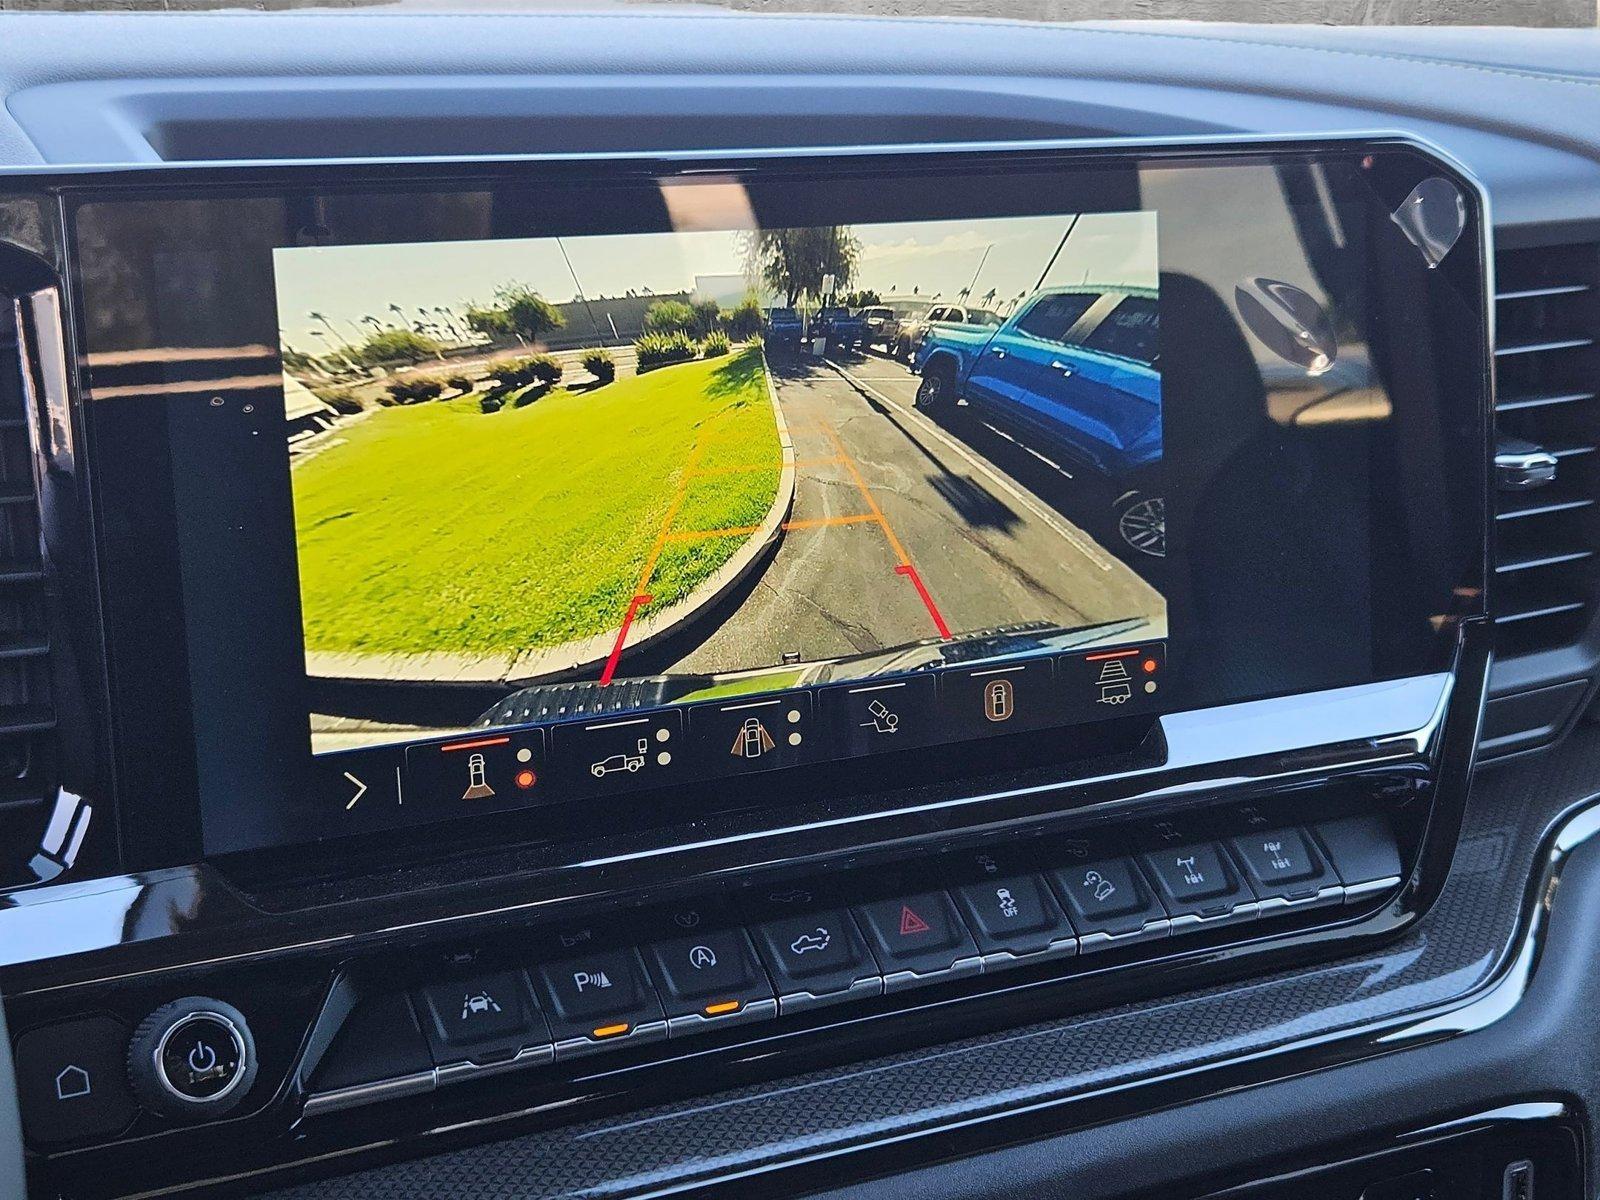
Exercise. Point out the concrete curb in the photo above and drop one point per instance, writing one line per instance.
(444, 668)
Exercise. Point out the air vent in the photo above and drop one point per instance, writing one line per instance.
(31, 822)
(1547, 367)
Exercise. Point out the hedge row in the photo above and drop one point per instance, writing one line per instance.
(660, 349)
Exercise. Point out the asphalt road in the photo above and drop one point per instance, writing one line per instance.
(885, 497)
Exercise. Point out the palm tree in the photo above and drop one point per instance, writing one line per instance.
(324, 322)
(340, 349)
(340, 343)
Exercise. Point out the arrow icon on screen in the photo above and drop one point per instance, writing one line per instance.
(361, 790)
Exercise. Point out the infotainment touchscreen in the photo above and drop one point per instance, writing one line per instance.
(566, 498)
(607, 472)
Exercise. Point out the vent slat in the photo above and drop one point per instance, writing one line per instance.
(1543, 346)
(1534, 293)
(1549, 608)
(1517, 509)
(1516, 403)
(1533, 562)
(23, 645)
(26, 718)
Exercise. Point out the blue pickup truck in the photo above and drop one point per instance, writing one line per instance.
(1079, 368)
(839, 327)
(783, 330)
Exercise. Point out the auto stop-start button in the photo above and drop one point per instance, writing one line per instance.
(192, 1059)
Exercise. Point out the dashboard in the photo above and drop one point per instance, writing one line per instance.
(623, 629)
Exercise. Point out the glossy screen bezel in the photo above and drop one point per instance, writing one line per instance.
(148, 780)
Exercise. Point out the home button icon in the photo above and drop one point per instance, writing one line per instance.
(71, 1081)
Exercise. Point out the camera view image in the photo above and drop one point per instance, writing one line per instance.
(544, 477)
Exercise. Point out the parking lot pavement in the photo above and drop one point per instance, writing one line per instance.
(902, 531)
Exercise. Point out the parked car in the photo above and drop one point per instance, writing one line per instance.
(889, 324)
(1079, 368)
(877, 320)
(784, 330)
(915, 332)
(841, 328)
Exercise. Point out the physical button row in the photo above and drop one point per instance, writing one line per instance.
(805, 947)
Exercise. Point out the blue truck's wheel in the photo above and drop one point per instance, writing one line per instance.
(1142, 523)
(936, 393)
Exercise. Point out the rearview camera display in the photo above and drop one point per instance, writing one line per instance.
(576, 488)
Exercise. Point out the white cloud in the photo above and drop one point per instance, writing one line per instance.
(911, 249)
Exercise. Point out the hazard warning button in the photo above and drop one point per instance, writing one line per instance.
(917, 938)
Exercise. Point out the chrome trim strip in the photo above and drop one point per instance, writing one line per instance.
(901, 981)
(527, 1056)
(358, 1094)
(793, 1002)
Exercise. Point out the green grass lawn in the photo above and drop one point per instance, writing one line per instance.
(439, 527)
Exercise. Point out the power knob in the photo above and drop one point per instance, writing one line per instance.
(192, 1059)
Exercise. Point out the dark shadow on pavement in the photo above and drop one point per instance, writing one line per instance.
(976, 505)
(793, 366)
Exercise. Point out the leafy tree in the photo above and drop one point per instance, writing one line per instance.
(518, 311)
(670, 316)
(529, 314)
(398, 345)
(492, 322)
(794, 262)
(743, 320)
(860, 299)
(707, 317)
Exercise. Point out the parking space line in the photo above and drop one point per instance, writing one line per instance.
(640, 597)
(672, 515)
(904, 566)
(1078, 541)
(866, 494)
(697, 535)
(827, 522)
